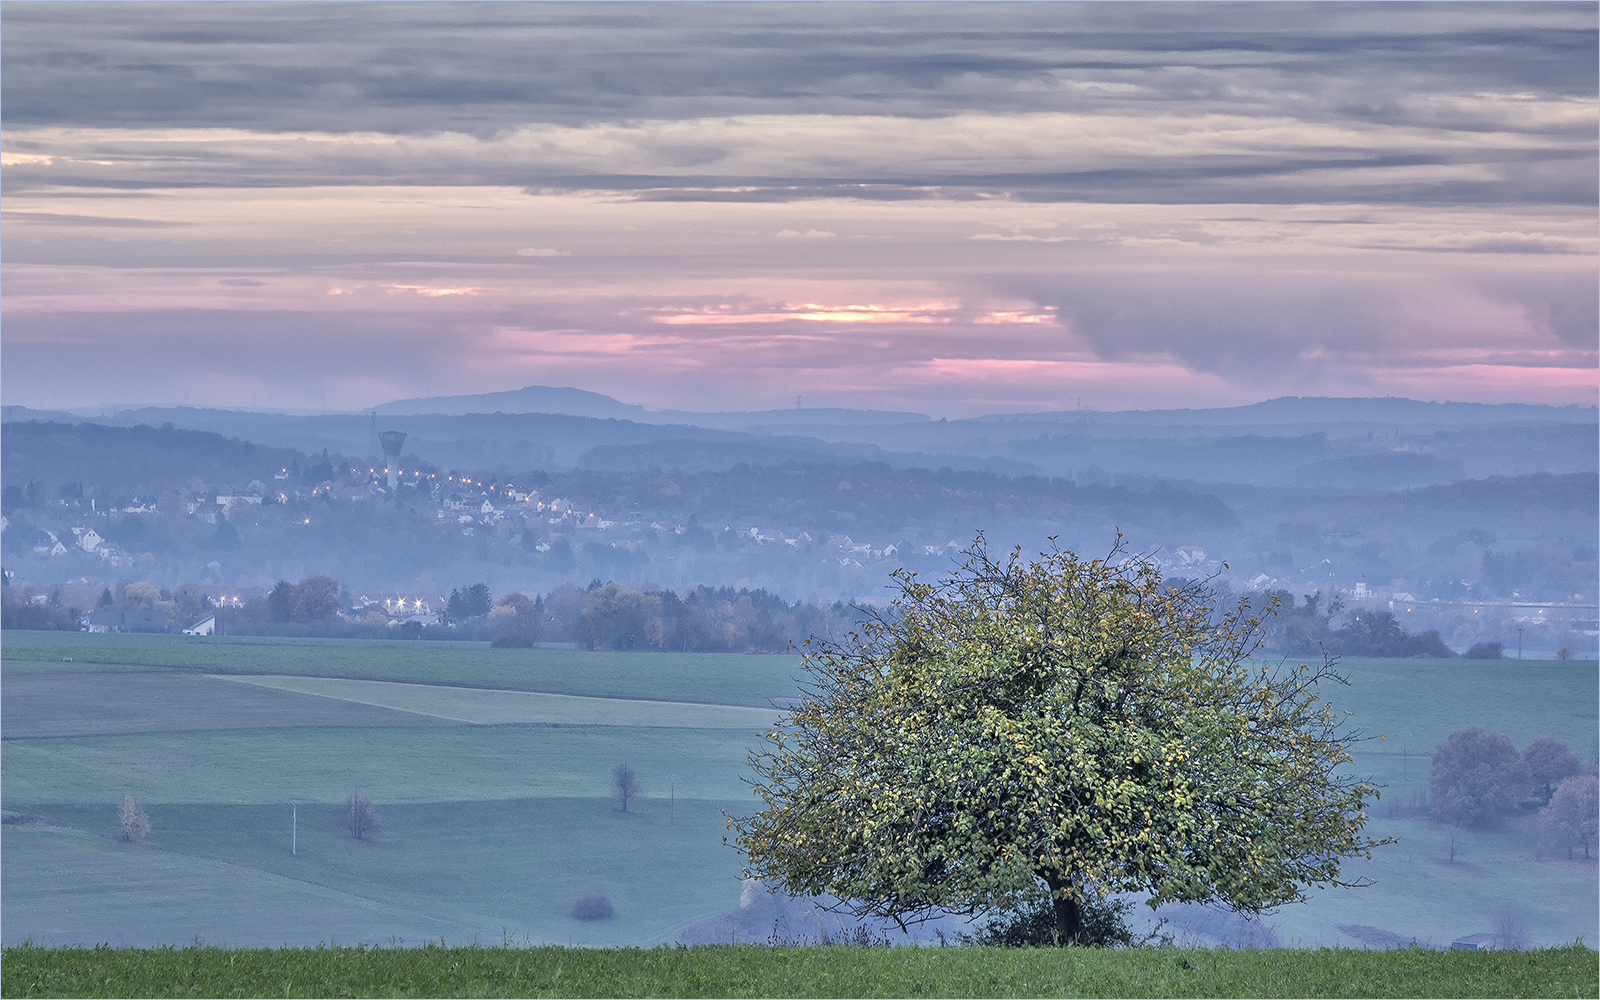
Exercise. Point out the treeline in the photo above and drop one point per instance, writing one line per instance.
(1478, 777)
(44, 460)
(1308, 628)
(702, 620)
(601, 616)
(62, 608)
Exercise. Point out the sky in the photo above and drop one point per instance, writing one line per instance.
(947, 208)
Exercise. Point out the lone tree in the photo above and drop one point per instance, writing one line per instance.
(1573, 815)
(135, 823)
(1549, 760)
(1062, 725)
(626, 784)
(361, 815)
(1476, 776)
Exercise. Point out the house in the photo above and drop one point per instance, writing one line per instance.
(420, 621)
(1190, 555)
(207, 626)
(125, 620)
(88, 539)
(455, 501)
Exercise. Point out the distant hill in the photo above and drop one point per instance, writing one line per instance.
(582, 403)
(143, 459)
(528, 399)
(1325, 410)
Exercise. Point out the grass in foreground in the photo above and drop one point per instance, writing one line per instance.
(753, 970)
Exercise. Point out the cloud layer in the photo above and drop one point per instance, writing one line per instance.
(946, 208)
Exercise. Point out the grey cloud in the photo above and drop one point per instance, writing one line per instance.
(420, 67)
(1535, 175)
(424, 69)
(1271, 330)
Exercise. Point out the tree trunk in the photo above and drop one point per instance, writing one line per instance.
(1069, 911)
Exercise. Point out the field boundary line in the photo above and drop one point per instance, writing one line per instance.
(513, 707)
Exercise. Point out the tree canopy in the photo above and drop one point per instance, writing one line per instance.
(1063, 724)
(1476, 777)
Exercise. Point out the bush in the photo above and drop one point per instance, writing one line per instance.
(361, 815)
(135, 824)
(595, 906)
(1486, 651)
(511, 641)
(1033, 925)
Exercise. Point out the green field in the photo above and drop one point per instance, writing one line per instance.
(755, 971)
(490, 769)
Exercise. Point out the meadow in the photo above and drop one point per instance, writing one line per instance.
(497, 808)
(786, 971)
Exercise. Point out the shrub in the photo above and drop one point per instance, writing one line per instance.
(1486, 651)
(511, 640)
(135, 824)
(361, 815)
(1033, 925)
(595, 906)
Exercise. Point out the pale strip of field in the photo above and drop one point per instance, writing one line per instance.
(490, 708)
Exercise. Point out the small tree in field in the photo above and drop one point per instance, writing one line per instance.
(1573, 815)
(1549, 760)
(361, 815)
(1062, 727)
(1476, 777)
(625, 783)
(135, 824)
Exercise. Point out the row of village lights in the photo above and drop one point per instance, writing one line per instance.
(464, 479)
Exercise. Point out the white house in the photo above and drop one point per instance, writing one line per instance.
(205, 627)
(89, 540)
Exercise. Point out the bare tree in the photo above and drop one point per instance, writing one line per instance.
(135, 824)
(361, 815)
(626, 784)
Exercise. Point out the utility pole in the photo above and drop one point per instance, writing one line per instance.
(294, 829)
(1519, 642)
(672, 803)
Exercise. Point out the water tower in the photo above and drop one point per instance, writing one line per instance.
(392, 442)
